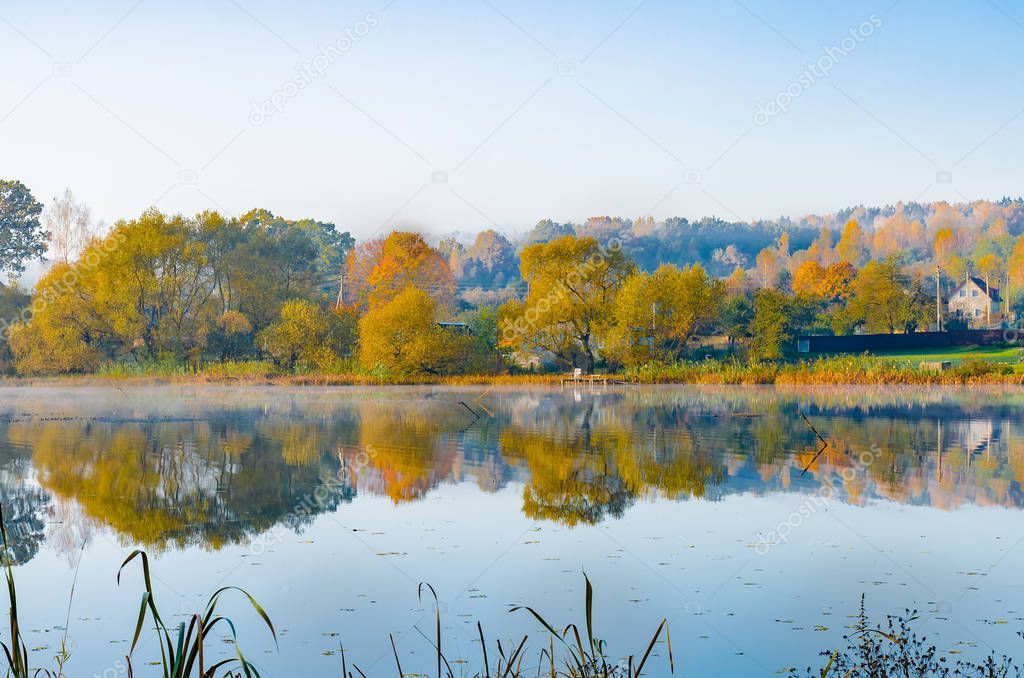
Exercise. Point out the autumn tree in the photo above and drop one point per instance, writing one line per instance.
(142, 286)
(738, 282)
(836, 282)
(942, 245)
(401, 336)
(573, 283)
(231, 336)
(656, 314)
(58, 338)
(768, 266)
(887, 300)
(492, 258)
(360, 262)
(1015, 266)
(851, 246)
(406, 260)
(991, 268)
(822, 249)
(309, 336)
(163, 287)
(808, 277)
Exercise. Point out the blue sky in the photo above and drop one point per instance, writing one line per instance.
(467, 114)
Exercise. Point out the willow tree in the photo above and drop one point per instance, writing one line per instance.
(657, 314)
(567, 311)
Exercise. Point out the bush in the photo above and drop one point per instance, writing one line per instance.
(306, 336)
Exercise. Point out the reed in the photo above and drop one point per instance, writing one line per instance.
(15, 651)
(569, 653)
(182, 652)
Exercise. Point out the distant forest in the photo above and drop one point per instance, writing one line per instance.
(921, 234)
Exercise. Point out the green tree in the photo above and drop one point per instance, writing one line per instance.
(22, 237)
(778, 320)
(13, 302)
(486, 356)
(231, 336)
(887, 300)
(736, 317)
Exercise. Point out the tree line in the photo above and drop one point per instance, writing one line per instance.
(304, 295)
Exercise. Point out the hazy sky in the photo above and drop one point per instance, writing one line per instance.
(533, 109)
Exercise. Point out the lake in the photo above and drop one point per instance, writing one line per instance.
(710, 507)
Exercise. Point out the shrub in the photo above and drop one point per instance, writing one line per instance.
(308, 337)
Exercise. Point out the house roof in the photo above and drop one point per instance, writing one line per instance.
(993, 291)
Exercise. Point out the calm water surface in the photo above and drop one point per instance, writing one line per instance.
(331, 505)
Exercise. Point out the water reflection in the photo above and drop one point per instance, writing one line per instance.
(207, 467)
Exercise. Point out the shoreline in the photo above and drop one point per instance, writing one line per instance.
(782, 378)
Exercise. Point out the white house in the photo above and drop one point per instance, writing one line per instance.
(975, 302)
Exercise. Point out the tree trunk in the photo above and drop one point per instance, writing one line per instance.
(585, 340)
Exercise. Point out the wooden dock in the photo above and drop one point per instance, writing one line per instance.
(586, 380)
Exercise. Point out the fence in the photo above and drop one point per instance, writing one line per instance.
(858, 343)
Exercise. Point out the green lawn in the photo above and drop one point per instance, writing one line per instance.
(955, 354)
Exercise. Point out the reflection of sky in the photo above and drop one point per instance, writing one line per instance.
(734, 613)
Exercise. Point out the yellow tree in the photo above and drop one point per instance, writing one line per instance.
(359, 263)
(851, 244)
(572, 285)
(943, 245)
(402, 337)
(738, 282)
(835, 284)
(406, 260)
(1015, 266)
(656, 314)
(305, 334)
(808, 277)
(991, 268)
(54, 339)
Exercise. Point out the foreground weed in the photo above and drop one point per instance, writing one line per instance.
(183, 651)
(897, 650)
(590, 660)
(16, 653)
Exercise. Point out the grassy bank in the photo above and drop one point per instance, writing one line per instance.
(954, 354)
(968, 369)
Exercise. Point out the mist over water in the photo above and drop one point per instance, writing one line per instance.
(709, 506)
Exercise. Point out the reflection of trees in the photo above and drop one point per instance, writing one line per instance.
(24, 504)
(23, 515)
(188, 483)
(588, 461)
(217, 470)
(572, 480)
(409, 448)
